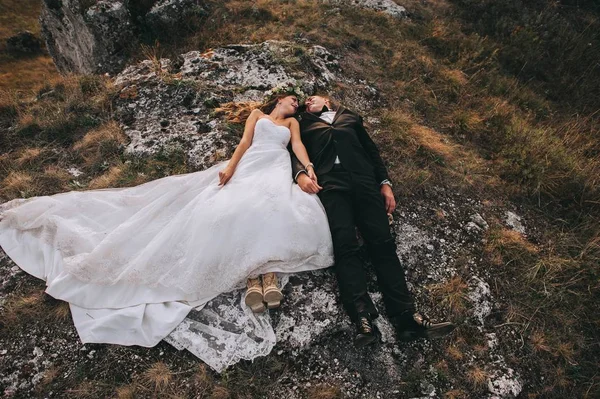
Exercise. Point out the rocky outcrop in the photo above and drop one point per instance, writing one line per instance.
(170, 104)
(166, 16)
(96, 40)
(387, 6)
(100, 38)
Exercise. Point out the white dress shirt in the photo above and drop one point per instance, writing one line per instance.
(328, 116)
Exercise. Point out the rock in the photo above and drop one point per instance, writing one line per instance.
(504, 384)
(514, 222)
(167, 17)
(37, 352)
(96, 40)
(386, 6)
(479, 221)
(75, 172)
(175, 112)
(481, 297)
(24, 42)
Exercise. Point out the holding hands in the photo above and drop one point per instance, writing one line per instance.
(308, 181)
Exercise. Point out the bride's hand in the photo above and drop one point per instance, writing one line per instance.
(312, 175)
(225, 175)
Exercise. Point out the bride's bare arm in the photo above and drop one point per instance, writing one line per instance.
(244, 144)
(300, 150)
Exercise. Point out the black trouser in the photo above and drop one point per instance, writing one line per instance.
(351, 201)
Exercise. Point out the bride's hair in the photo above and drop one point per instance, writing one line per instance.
(239, 112)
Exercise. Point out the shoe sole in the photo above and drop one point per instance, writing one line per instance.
(437, 331)
(364, 340)
(254, 300)
(273, 299)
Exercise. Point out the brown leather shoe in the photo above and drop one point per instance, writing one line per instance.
(272, 293)
(254, 295)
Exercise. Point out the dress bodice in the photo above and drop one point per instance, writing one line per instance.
(269, 134)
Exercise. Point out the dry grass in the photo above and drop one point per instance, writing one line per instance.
(17, 184)
(125, 392)
(454, 352)
(86, 390)
(539, 342)
(324, 391)
(33, 306)
(220, 392)
(477, 377)
(61, 312)
(101, 143)
(451, 294)
(50, 375)
(29, 155)
(110, 179)
(27, 73)
(506, 246)
(12, 22)
(22, 72)
(456, 394)
(157, 377)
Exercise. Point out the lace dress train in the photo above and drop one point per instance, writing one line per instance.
(133, 262)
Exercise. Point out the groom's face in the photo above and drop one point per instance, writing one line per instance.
(316, 103)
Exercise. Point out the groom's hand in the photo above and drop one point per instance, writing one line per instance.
(388, 197)
(307, 184)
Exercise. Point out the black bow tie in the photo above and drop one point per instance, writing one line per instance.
(324, 109)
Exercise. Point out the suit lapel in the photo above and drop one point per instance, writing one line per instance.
(312, 117)
(338, 113)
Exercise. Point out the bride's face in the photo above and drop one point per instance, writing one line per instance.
(288, 105)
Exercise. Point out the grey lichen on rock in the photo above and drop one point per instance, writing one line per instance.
(387, 6)
(166, 105)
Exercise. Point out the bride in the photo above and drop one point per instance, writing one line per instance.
(132, 262)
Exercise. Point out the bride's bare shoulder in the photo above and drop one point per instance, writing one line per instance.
(256, 113)
(291, 121)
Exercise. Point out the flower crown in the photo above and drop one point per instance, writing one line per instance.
(285, 88)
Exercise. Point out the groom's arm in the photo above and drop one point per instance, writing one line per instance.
(370, 147)
(297, 166)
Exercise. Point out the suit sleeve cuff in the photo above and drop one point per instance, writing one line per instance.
(298, 174)
(386, 181)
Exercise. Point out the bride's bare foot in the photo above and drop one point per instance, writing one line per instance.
(272, 293)
(254, 296)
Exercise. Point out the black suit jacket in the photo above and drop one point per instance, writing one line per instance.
(346, 137)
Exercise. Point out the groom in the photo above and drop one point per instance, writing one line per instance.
(354, 187)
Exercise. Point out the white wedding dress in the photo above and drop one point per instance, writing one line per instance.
(133, 262)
